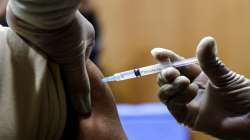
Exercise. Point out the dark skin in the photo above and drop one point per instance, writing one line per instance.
(103, 123)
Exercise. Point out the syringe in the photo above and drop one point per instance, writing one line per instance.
(152, 69)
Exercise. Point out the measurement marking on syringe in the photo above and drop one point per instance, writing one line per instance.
(137, 72)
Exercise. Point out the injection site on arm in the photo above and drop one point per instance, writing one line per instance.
(152, 69)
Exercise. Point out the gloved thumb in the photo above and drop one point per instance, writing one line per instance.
(216, 71)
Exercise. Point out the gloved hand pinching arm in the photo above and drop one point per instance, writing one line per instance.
(213, 99)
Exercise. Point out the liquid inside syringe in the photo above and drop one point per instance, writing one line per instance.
(152, 69)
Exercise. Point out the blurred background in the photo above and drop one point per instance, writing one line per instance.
(129, 29)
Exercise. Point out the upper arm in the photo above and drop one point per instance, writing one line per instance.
(104, 122)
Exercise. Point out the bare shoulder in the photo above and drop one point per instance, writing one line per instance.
(104, 122)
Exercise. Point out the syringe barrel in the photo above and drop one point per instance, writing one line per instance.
(125, 75)
(152, 69)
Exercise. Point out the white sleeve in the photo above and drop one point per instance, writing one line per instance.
(63, 34)
(45, 14)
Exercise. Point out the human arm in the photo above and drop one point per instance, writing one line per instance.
(103, 123)
(213, 99)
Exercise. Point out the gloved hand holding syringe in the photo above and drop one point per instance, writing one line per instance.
(152, 69)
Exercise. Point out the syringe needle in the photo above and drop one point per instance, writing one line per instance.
(148, 70)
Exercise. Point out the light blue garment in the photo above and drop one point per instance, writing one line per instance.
(150, 121)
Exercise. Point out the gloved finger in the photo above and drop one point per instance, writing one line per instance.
(178, 105)
(201, 80)
(163, 55)
(186, 95)
(212, 66)
(186, 105)
(167, 76)
(195, 99)
(170, 91)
